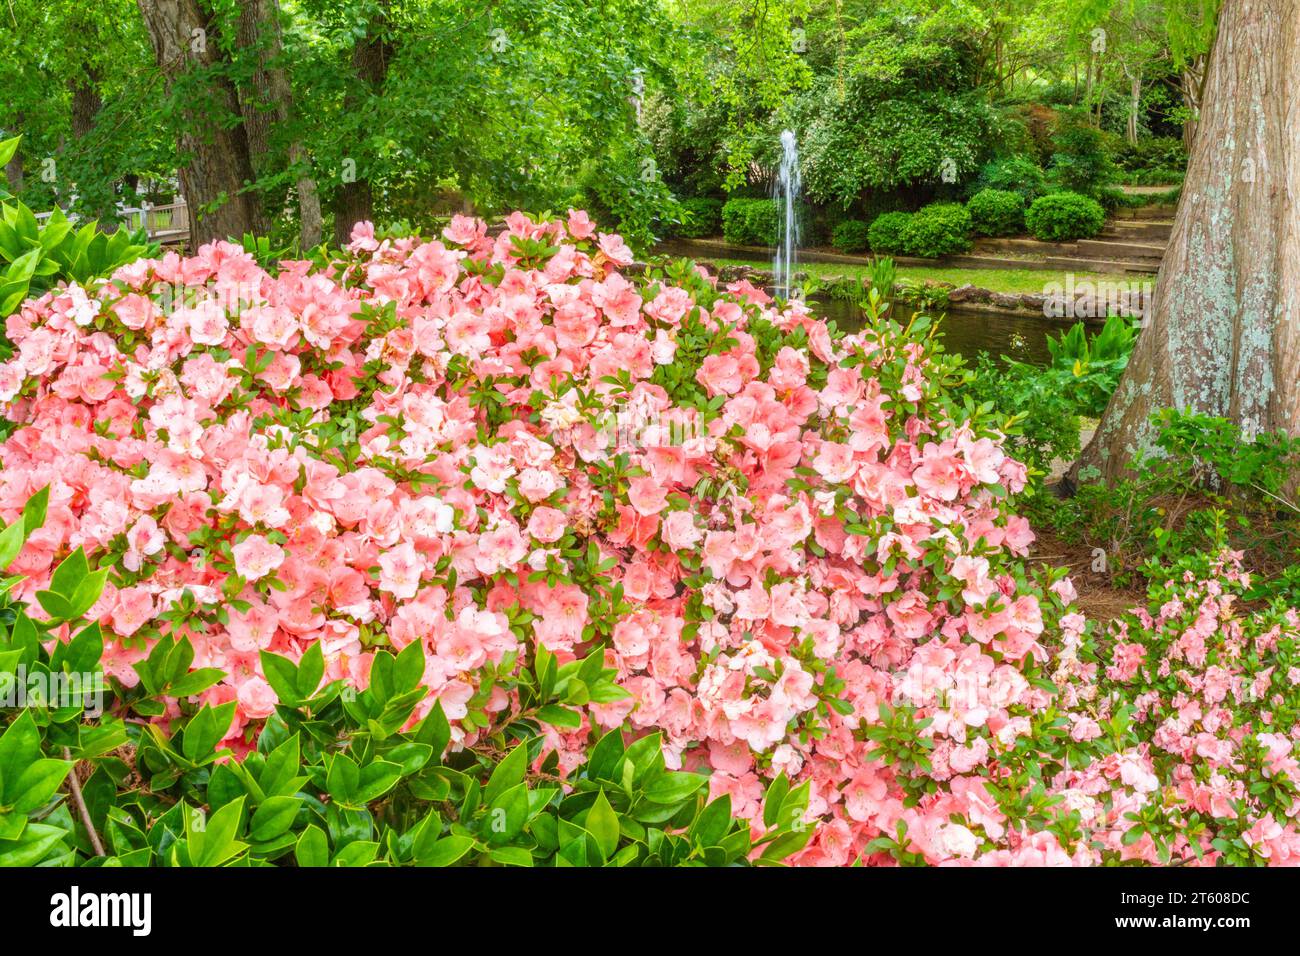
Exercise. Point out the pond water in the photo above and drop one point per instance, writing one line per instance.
(966, 332)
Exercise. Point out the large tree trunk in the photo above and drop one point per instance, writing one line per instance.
(259, 29)
(354, 201)
(218, 169)
(95, 191)
(1222, 338)
(86, 104)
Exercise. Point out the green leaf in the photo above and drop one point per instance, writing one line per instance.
(671, 788)
(310, 671)
(37, 840)
(195, 682)
(713, 822)
(435, 730)
(507, 814)
(558, 716)
(206, 729)
(313, 848)
(408, 668)
(20, 746)
(507, 773)
(360, 853)
(38, 783)
(342, 778)
(376, 779)
(511, 856)
(34, 510)
(56, 606)
(446, 851)
(215, 843)
(602, 824)
(281, 769)
(776, 792)
(282, 674)
(274, 817)
(11, 543)
(68, 576)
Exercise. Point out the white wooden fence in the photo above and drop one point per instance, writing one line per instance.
(166, 224)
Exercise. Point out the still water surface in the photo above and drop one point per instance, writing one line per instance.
(1019, 337)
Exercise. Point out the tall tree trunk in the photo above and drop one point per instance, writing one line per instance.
(272, 104)
(1222, 338)
(354, 201)
(217, 168)
(1192, 83)
(1134, 105)
(86, 104)
(1101, 91)
(95, 192)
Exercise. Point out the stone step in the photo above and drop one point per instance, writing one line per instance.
(1111, 266)
(1118, 249)
(1135, 229)
(988, 245)
(1162, 211)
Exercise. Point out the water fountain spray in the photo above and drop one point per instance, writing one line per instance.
(785, 192)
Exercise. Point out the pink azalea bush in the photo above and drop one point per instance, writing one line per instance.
(792, 546)
(1212, 691)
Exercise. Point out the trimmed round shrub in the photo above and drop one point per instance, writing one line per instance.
(996, 212)
(885, 235)
(1064, 217)
(749, 222)
(700, 217)
(852, 235)
(939, 229)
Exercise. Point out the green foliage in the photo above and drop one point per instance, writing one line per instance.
(1081, 159)
(1153, 160)
(1042, 423)
(338, 777)
(1093, 364)
(749, 222)
(940, 229)
(1044, 405)
(886, 232)
(896, 112)
(1065, 217)
(81, 87)
(851, 235)
(36, 256)
(1205, 487)
(700, 218)
(1018, 174)
(996, 212)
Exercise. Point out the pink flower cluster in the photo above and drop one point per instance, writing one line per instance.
(780, 534)
(1212, 695)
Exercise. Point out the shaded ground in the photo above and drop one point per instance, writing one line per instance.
(1099, 598)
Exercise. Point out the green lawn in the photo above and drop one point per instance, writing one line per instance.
(996, 280)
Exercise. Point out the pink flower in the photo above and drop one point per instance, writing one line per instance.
(941, 472)
(256, 557)
(647, 496)
(546, 524)
(400, 570)
(679, 530)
